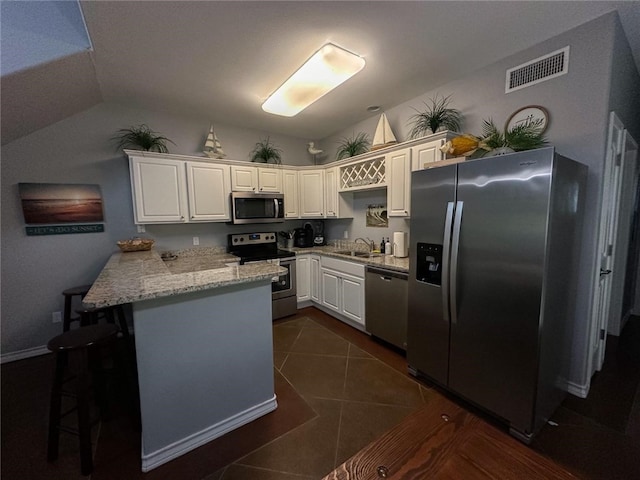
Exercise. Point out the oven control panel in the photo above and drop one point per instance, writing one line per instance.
(252, 238)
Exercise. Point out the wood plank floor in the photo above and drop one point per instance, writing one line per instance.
(444, 441)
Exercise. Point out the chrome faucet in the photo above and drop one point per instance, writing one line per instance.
(368, 242)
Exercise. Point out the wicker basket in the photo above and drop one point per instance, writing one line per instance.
(135, 244)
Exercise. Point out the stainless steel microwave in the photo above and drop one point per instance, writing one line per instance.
(249, 207)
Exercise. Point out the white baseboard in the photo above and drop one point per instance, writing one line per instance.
(22, 354)
(580, 391)
(176, 449)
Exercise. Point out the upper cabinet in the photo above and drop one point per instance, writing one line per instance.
(311, 183)
(159, 190)
(208, 187)
(177, 191)
(256, 179)
(399, 189)
(429, 151)
(336, 204)
(290, 190)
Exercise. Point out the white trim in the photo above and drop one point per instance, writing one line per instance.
(580, 391)
(176, 449)
(22, 354)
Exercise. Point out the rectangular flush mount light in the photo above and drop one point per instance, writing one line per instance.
(325, 70)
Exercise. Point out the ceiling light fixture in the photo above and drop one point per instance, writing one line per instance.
(325, 70)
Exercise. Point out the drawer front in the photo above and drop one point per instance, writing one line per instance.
(356, 269)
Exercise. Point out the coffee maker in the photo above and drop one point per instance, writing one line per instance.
(318, 233)
(303, 237)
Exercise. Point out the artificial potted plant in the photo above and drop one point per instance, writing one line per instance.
(143, 137)
(525, 136)
(436, 116)
(355, 145)
(265, 152)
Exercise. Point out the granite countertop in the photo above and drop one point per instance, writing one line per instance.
(378, 260)
(134, 276)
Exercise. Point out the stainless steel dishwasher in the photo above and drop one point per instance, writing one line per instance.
(386, 300)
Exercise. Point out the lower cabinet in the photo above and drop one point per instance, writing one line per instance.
(336, 286)
(343, 289)
(308, 277)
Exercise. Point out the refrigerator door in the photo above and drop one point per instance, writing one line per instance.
(498, 281)
(432, 197)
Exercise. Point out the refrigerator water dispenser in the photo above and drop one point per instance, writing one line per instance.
(429, 263)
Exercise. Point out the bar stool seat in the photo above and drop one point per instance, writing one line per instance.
(81, 346)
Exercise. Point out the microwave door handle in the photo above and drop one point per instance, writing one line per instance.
(275, 201)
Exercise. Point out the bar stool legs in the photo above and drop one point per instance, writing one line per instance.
(79, 345)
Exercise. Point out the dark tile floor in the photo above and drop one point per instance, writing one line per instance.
(337, 390)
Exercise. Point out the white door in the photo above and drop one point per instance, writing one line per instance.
(311, 193)
(269, 180)
(422, 155)
(606, 239)
(399, 186)
(244, 179)
(209, 186)
(353, 298)
(159, 190)
(314, 278)
(290, 190)
(330, 290)
(303, 286)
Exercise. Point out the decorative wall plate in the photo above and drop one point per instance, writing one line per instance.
(527, 115)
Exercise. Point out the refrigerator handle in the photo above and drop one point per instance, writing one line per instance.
(446, 249)
(454, 262)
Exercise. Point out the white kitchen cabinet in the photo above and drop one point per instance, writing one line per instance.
(311, 189)
(308, 277)
(208, 187)
(159, 190)
(176, 191)
(256, 179)
(399, 187)
(426, 153)
(336, 204)
(342, 290)
(303, 277)
(290, 190)
(314, 277)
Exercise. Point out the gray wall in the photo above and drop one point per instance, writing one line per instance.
(578, 105)
(36, 269)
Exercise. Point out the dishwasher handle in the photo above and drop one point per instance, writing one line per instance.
(387, 275)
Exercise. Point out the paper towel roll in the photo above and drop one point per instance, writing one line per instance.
(400, 244)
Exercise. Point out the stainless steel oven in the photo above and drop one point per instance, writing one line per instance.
(263, 247)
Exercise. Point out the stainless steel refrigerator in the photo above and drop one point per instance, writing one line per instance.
(492, 278)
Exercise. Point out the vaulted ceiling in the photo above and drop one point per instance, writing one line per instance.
(221, 60)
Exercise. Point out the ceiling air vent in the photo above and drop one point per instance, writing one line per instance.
(539, 70)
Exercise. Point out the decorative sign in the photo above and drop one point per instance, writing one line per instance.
(364, 181)
(64, 229)
(377, 216)
(55, 203)
(527, 115)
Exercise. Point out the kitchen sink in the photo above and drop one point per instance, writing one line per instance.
(356, 253)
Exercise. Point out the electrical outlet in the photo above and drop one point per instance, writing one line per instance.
(346, 234)
(141, 229)
(56, 317)
(196, 240)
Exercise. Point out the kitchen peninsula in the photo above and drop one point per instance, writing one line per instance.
(203, 339)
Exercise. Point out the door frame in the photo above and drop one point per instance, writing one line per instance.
(605, 253)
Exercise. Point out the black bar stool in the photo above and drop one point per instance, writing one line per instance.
(90, 316)
(69, 293)
(81, 345)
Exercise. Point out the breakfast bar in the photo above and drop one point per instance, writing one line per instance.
(203, 340)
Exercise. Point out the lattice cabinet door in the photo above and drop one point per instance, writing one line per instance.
(362, 175)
